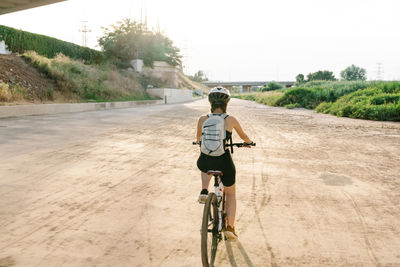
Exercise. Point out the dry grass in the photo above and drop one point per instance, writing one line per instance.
(88, 82)
(10, 93)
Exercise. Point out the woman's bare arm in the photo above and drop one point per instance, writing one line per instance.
(199, 125)
(239, 130)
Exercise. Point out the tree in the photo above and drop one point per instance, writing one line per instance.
(128, 40)
(199, 77)
(271, 86)
(353, 73)
(321, 75)
(300, 79)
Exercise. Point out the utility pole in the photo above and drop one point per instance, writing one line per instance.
(141, 12)
(158, 25)
(379, 71)
(186, 56)
(84, 32)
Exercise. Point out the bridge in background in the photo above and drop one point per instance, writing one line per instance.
(245, 85)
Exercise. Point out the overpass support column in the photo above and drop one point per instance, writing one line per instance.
(229, 88)
(247, 88)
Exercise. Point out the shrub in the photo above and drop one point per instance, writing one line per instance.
(10, 93)
(271, 86)
(88, 82)
(5, 94)
(301, 96)
(266, 98)
(371, 103)
(355, 99)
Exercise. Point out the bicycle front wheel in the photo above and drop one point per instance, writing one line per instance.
(209, 231)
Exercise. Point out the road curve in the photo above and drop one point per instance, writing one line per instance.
(119, 188)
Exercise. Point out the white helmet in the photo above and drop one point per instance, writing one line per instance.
(219, 94)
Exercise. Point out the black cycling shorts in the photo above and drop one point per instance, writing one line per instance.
(222, 163)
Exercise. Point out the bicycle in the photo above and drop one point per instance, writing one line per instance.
(214, 215)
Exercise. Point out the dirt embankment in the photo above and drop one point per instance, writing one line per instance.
(20, 82)
(14, 71)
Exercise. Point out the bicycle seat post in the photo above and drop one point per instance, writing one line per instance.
(216, 180)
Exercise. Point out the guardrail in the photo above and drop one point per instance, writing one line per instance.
(46, 109)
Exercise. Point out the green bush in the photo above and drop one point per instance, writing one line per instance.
(311, 94)
(267, 98)
(271, 86)
(21, 41)
(354, 99)
(303, 97)
(10, 93)
(381, 102)
(87, 82)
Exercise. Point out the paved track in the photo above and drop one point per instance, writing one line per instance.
(119, 188)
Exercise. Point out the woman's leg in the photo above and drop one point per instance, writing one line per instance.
(205, 180)
(230, 194)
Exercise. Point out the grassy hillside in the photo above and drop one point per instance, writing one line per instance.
(74, 79)
(363, 100)
(185, 82)
(35, 78)
(378, 102)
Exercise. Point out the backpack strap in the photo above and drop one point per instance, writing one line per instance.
(223, 115)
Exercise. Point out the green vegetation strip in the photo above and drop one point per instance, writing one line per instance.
(361, 100)
(21, 41)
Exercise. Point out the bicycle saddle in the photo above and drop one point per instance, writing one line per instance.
(219, 173)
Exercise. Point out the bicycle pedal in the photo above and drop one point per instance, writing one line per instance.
(202, 199)
(230, 236)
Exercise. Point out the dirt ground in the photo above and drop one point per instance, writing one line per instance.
(15, 71)
(119, 188)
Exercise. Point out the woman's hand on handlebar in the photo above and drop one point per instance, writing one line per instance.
(244, 144)
(249, 145)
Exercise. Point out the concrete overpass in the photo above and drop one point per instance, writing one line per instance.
(8, 6)
(245, 85)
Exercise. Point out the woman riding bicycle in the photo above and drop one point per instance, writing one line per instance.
(219, 98)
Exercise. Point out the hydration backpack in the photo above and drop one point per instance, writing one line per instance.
(213, 135)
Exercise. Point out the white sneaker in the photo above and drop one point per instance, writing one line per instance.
(230, 233)
(202, 199)
(203, 196)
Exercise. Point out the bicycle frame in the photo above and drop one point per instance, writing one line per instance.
(219, 192)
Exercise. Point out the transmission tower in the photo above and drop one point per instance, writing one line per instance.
(84, 32)
(379, 71)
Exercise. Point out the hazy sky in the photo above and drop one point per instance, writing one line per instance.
(244, 40)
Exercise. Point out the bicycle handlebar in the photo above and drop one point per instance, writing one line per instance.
(242, 144)
(234, 144)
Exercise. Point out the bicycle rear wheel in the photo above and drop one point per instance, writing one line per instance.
(209, 231)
